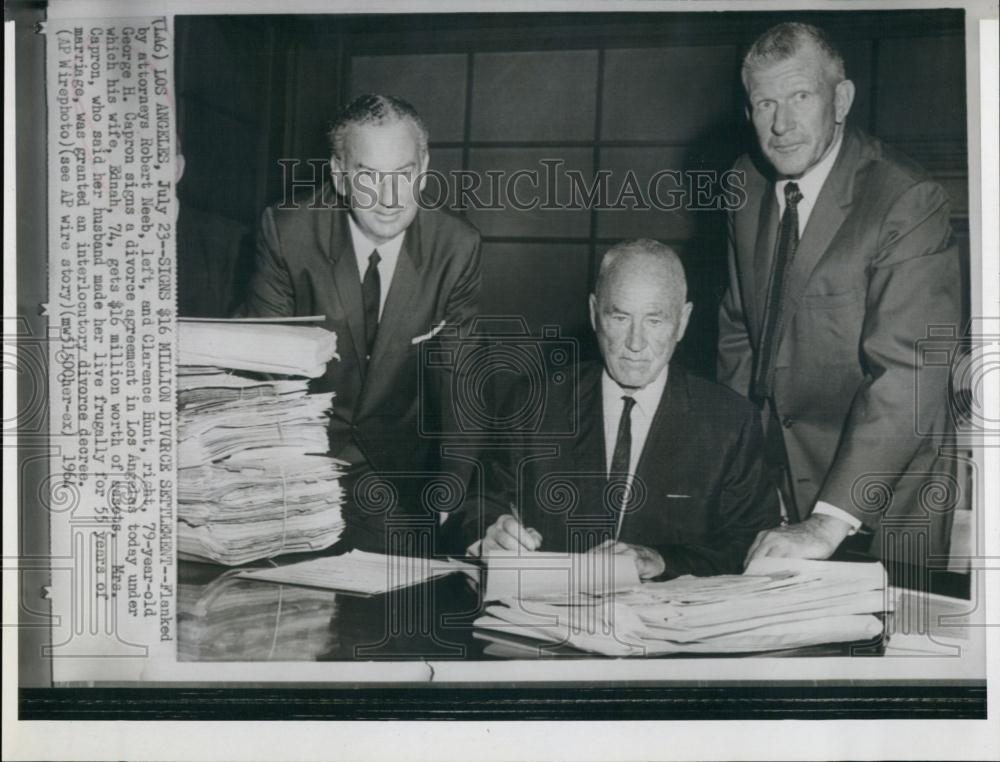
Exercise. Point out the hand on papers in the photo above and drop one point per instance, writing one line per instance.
(507, 534)
(817, 537)
(648, 562)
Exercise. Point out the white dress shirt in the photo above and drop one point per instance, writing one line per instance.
(810, 184)
(388, 253)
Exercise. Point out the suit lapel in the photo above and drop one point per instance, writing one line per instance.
(588, 457)
(588, 447)
(666, 433)
(403, 288)
(827, 216)
(767, 235)
(347, 282)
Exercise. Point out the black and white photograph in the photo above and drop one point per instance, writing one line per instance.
(499, 370)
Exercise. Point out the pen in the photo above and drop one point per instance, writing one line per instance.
(516, 513)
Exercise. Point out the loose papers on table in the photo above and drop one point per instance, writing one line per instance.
(360, 572)
(776, 604)
(253, 480)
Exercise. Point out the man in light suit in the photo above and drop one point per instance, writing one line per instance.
(386, 275)
(662, 465)
(840, 262)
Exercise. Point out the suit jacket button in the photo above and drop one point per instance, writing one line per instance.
(787, 421)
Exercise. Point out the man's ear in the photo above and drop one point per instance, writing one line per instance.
(425, 160)
(179, 165)
(843, 98)
(685, 317)
(338, 176)
(592, 303)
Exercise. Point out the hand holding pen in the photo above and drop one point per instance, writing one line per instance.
(509, 533)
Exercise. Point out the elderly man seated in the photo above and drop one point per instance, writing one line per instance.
(663, 466)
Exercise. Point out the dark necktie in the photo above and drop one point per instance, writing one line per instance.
(621, 457)
(788, 241)
(371, 289)
(623, 443)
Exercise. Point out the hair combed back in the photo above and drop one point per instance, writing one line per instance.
(374, 109)
(644, 250)
(781, 42)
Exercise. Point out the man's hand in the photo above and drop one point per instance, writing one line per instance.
(648, 562)
(507, 534)
(817, 537)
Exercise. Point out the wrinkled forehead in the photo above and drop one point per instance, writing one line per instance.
(643, 284)
(807, 65)
(391, 143)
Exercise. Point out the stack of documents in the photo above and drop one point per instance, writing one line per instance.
(776, 604)
(257, 345)
(221, 414)
(253, 480)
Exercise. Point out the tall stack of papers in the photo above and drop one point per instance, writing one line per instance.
(253, 480)
(777, 604)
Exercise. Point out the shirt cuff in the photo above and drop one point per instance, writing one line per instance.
(831, 510)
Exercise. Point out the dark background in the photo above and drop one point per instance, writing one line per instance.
(639, 91)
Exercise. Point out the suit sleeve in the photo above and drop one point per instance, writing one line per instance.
(270, 292)
(462, 306)
(748, 503)
(493, 488)
(913, 285)
(464, 300)
(735, 359)
(451, 379)
(491, 492)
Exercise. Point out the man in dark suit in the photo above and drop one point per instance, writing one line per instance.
(387, 275)
(663, 466)
(840, 262)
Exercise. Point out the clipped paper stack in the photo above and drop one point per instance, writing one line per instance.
(777, 604)
(253, 480)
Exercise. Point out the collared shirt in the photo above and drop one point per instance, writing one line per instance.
(810, 184)
(647, 399)
(388, 253)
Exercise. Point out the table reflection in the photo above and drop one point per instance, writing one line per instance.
(222, 617)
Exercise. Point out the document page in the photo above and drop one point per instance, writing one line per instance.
(536, 576)
(360, 572)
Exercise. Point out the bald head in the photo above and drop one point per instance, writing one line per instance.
(645, 259)
(639, 310)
